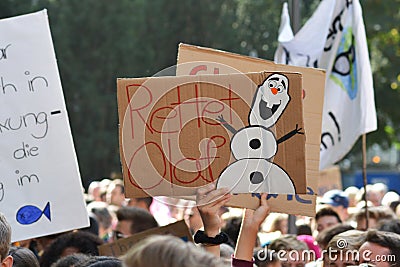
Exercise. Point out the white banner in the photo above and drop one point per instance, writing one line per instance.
(334, 39)
(40, 186)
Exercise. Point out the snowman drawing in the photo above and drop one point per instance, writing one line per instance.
(254, 146)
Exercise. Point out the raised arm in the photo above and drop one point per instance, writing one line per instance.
(209, 200)
(251, 223)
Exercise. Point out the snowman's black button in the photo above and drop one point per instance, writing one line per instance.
(256, 177)
(255, 143)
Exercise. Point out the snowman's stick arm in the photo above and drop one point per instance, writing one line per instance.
(226, 124)
(290, 134)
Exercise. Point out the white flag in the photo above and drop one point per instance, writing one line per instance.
(334, 39)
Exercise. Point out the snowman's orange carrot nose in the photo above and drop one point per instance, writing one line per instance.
(274, 90)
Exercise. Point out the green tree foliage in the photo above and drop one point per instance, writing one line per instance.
(382, 25)
(97, 41)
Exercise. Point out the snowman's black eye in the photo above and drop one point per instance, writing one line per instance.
(271, 84)
(255, 143)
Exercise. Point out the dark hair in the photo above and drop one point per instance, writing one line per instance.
(262, 260)
(83, 242)
(23, 257)
(118, 183)
(327, 234)
(103, 216)
(304, 229)
(146, 200)
(141, 219)
(121, 186)
(327, 212)
(393, 205)
(377, 213)
(388, 225)
(71, 260)
(387, 240)
(101, 261)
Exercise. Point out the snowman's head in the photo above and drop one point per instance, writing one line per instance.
(270, 100)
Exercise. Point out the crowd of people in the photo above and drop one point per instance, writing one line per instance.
(350, 228)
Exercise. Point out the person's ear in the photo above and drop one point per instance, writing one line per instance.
(7, 262)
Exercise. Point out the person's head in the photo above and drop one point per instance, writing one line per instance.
(375, 214)
(226, 252)
(23, 257)
(70, 243)
(342, 249)
(104, 184)
(303, 229)
(265, 258)
(290, 249)
(280, 223)
(338, 201)
(379, 190)
(380, 245)
(94, 191)
(325, 218)
(168, 251)
(100, 261)
(351, 193)
(5, 241)
(44, 242)
(374, 194)
(103, 216)
(116, 193)
(325, 236)
(389, 225)
(132, 220)
(141, 202)
(312, 245)
(72, 260)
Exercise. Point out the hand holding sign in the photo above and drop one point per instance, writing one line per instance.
(209, 201)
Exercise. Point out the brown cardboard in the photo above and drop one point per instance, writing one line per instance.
(330, 179)
(171, 142)
(200, 60)
(300, 204)
(121, 246)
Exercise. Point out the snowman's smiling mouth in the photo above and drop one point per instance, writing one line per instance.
(265, 111)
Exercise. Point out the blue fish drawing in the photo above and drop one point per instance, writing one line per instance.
(29, 214)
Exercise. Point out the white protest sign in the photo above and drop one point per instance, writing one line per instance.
(40, 186)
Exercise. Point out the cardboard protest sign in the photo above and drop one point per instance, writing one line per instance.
(40, 186)
(329, 179)
(244, 131)
(121, 246)
(194, 60)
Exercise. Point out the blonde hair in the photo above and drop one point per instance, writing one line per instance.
(168, 251)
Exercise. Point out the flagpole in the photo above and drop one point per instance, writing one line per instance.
(364, 173)
(295, 15)
(295, 19)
